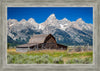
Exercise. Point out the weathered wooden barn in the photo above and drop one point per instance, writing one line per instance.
(39, 42)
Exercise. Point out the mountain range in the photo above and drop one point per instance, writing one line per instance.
(65, 31)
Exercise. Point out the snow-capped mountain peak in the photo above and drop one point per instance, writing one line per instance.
(80, 20)
(12, 22)
(63, 30)
(23, 21)
(52, 16)
(65, 19)
(31, 20)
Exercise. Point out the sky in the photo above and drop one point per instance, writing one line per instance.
(40, 14)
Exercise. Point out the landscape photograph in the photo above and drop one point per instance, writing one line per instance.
(49, 35)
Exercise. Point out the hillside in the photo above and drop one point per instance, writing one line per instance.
(66, 32)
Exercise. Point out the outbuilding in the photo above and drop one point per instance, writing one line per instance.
(39, 42)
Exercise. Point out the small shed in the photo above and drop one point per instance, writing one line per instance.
(39, 42)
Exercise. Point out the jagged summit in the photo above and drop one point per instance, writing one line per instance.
(52, 21)
(23, 20)
(31, 20)
(52, 16)
(12, 20)
(80, 20)
(65, 19)
(65, 31)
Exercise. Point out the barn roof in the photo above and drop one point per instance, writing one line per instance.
(39, 38)
(26, 45)
(62, 45)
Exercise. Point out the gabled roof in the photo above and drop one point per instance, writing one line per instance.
(26, 45)
(62, 45)
(39, 38)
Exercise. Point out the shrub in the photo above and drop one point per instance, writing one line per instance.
(48, 57)
(74, 61)
(46, 61)
(28, 62)
(45, 56)
(39, 61)
(78, 49)
(36, 57)
(86, 60)
(19, 61)
(58, 60)
(9, 59)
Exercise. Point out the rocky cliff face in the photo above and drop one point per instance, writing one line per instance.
(70, 33)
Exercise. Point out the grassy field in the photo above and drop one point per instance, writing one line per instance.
(49, 57)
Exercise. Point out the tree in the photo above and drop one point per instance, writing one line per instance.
(8, 45)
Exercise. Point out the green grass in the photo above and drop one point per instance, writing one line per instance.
(49, 57)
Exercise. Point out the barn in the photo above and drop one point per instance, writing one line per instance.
(39, 42)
